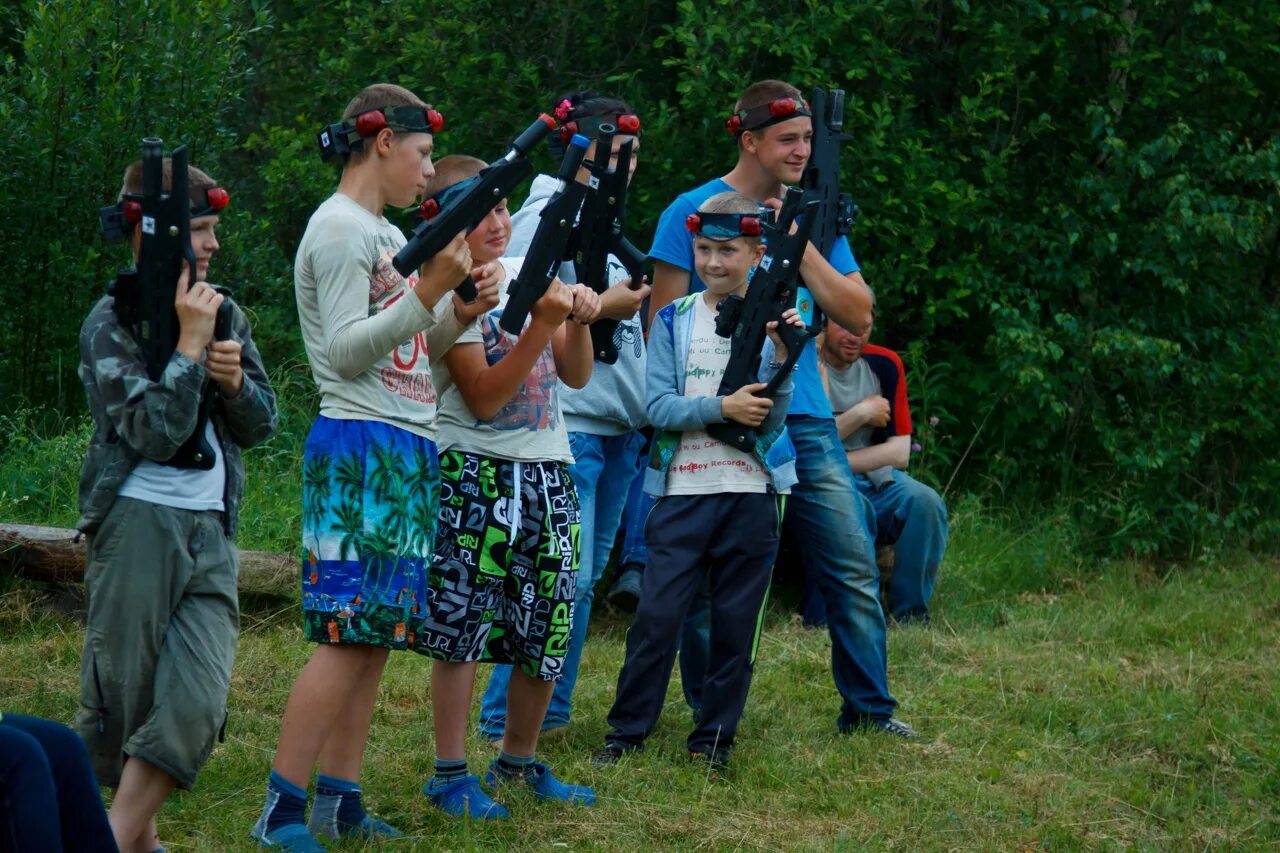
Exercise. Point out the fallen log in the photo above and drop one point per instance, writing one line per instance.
(52, 555)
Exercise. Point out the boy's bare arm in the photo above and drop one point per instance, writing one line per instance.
(572, 345)
(486, 388)
(896, 452)
(846, 298)
(669, 284)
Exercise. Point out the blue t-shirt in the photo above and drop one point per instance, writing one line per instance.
(673, 244)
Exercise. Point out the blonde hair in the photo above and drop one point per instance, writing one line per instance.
(451, 170)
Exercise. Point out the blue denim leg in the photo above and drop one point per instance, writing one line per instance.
(639, 505)
(603, 469)
(831, 522)
(911, 517)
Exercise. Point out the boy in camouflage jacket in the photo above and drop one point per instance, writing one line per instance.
(163, 613)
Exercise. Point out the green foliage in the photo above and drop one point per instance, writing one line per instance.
(1069, 210)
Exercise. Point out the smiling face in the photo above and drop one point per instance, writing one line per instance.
(406, 164)
(489, 239)
(782, 149)
(204, 242)
(723, 265)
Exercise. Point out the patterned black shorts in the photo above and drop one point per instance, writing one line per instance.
(501, 586)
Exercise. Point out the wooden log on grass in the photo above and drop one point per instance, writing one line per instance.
(52, 555)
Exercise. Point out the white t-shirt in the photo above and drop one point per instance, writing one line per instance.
(530, 427)
(703, 465)
(182, 488)
(363, 327)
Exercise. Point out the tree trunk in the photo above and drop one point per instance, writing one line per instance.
(52, 555)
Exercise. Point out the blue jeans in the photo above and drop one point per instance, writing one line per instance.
(49, 797)
(602, 472)
(831, 521)
(695, 635)
(911, 517)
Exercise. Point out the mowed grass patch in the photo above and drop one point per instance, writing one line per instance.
(1066, 706)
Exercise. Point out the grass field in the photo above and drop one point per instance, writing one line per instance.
(1067, 706)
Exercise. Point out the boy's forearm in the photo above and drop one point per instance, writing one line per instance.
(575, 355)
(358, 345)
(445, 332)
(850, 421)
(845, 298)
(154, 418)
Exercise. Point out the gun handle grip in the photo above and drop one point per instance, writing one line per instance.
(222, 323)
(466, 290)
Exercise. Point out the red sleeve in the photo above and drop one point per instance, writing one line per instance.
(893, 383)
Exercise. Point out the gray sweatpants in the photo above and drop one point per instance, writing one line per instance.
(160, 640)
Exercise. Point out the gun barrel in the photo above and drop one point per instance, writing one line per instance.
(573, 158)
(532, 135)
(836, 122)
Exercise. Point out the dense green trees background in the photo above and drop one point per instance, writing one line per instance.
(1069, 210)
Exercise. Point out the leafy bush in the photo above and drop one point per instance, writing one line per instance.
(1069, 210)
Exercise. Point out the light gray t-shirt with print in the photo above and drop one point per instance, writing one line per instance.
(530, 427)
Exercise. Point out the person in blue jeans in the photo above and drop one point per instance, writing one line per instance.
(49, 796)
(867, 387)
(602, 418)
(773, 130)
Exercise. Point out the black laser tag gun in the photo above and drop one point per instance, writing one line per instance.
(821, 183)
(550, 241)
(772, 291)
(468, 202)
(144, 294)
(600, 233)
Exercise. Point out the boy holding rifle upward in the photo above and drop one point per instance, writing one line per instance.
(160, 516)
(718, 507)
(502, 580)
(370, 473)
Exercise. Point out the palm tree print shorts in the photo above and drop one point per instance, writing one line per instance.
(502, 585)
(369, 504)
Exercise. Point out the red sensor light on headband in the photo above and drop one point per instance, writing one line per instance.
(750, 226)
(429, 209)
(368, 124)
(629, 123)
(218, 198)
(132, 212)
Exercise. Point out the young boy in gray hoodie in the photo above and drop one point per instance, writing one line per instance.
(602, 418)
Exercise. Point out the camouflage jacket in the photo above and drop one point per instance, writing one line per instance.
(136, 418)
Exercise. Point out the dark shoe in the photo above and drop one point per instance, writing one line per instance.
(611, 754)
(625, 594)
(890, 726)
(716, 759)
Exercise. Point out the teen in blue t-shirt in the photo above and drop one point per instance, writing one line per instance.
(773, 129)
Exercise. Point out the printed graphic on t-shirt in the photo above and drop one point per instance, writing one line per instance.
(405, 375)
(534, 405)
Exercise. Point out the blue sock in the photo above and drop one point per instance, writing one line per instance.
(449, 770)
(338, 807)
(513, 766)
(286, 805)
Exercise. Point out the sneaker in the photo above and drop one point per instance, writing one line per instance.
(292, 838)
(544, 785)
(716, 759)
(890, 726)
(611, 754)
(465, 797)
(625, 594)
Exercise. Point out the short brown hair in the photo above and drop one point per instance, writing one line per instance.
(197, 181)
(451, 170)
(375, 97)
(381, 96)
(765, 92)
